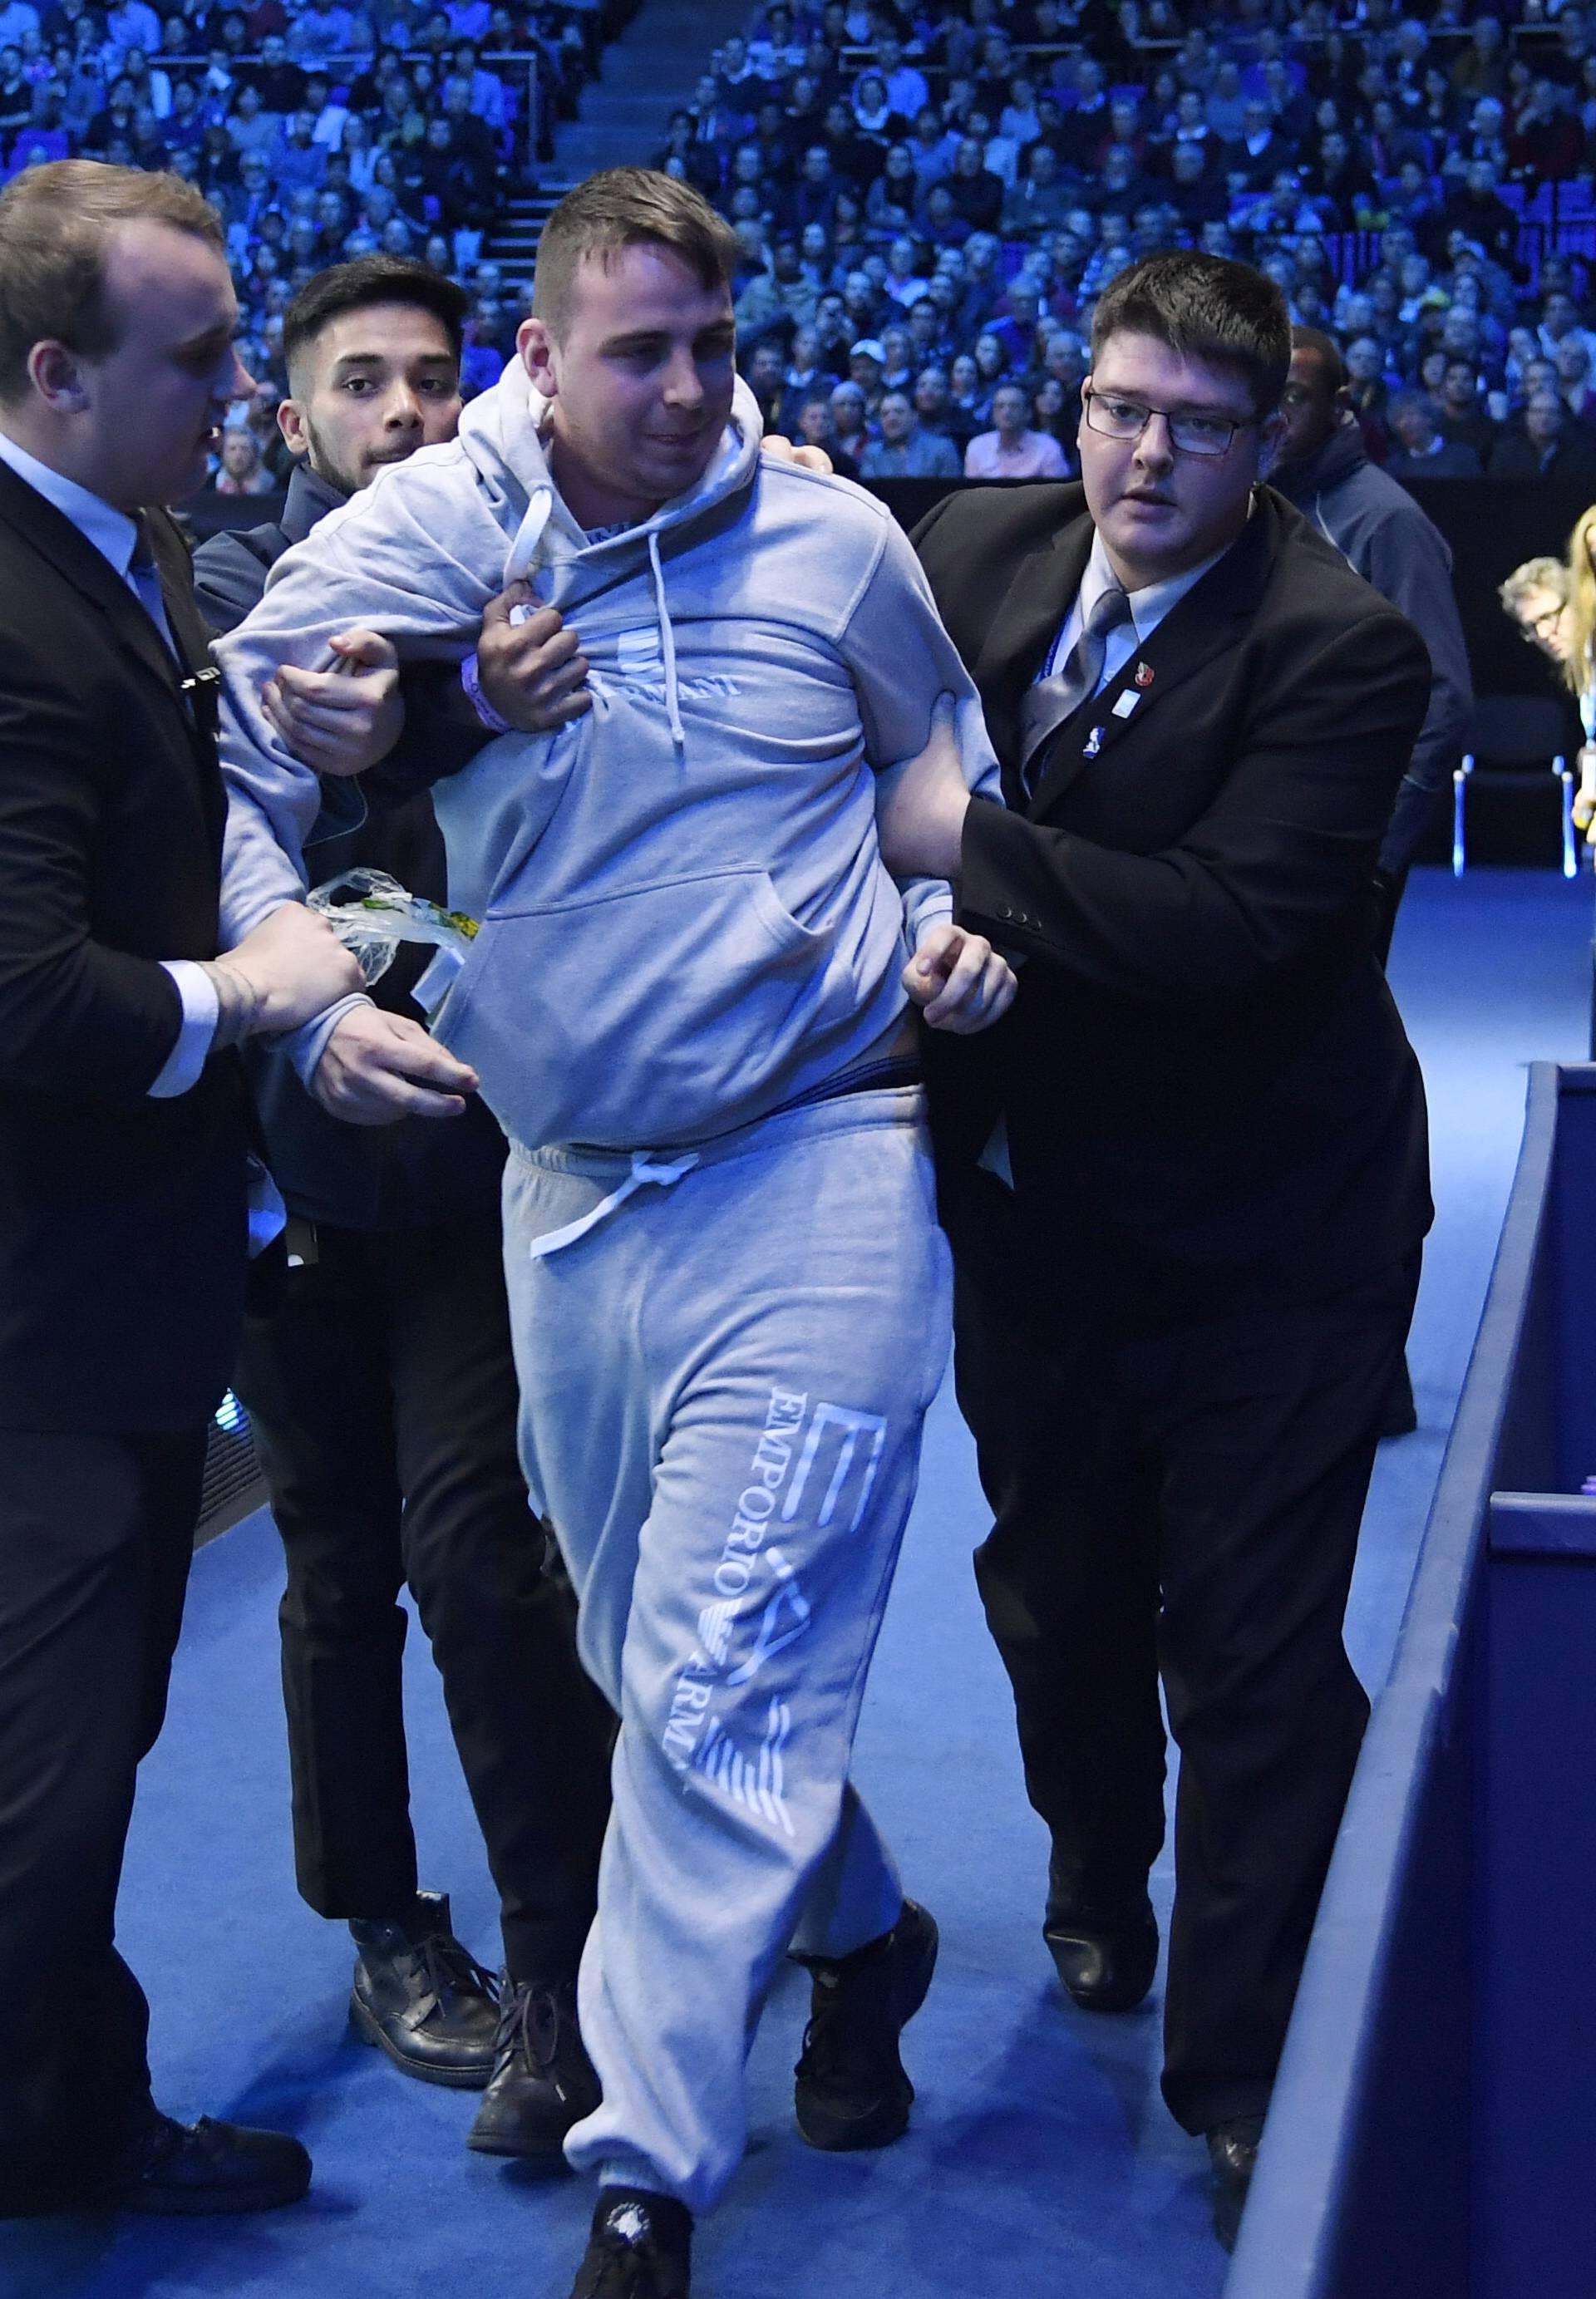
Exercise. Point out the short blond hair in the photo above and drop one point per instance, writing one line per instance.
(1534, 575)
(57, 226)
(627, 207)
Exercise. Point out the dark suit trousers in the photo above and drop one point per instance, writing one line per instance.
(95, 1536)
(384, 1402)
(1180, 1501)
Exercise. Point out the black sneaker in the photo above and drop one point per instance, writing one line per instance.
(420, 1997)
(1232, 2159)
(641, 2248)
(543, 2080)
(852, 2090)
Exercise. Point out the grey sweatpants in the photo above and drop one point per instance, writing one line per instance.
(722, 1385)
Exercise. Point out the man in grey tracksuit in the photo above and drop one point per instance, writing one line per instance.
(686, 1007)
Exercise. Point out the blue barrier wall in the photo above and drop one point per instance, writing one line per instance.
(1434, 2129)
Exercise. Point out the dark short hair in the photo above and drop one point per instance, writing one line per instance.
(360, 287)
(1203, 307)
(1325, 350)
(629, 207)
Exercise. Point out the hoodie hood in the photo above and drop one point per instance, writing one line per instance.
(1342, 453)
(505, 434)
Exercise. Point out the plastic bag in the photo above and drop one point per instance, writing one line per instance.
(371, 914)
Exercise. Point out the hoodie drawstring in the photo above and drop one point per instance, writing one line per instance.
(673, 710)
(522, 556)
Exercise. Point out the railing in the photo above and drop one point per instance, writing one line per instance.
(1434, 2127)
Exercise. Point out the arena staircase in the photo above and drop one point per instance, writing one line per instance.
(651, 70)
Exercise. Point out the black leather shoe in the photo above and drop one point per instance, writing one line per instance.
(420, 1997)
(1106, 1953)
(1105, 1945)
(189, 2170)
(543, 2080)
(197, 2169)
(1232, 2158)
(851, 2090)
(641, 2248)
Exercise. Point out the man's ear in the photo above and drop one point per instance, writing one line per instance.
(290, 422)
(1342, 403)
(536, 347)
(57, 376)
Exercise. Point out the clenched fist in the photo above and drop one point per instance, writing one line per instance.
(532, 670)
(958, 981)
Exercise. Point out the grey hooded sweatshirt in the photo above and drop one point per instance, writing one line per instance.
(1383, 535)
(686, 920)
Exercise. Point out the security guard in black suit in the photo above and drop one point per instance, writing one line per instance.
(122, 1137)
(1186, 1178)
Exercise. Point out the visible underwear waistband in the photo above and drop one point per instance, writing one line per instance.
(901, 1069)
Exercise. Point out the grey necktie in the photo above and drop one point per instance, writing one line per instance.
(145, 578)
(1053, 699)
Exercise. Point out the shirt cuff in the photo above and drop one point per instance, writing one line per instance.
(201, 1008)
(927, 902)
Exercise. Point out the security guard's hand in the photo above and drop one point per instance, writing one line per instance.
(808, 459)
(290, 968)
(341, 721)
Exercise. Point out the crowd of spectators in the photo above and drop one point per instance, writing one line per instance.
(319, 129)
(929, 198)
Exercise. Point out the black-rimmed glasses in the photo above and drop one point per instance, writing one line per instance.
(1112, 416)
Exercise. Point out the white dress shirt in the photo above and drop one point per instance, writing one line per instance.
(1148, 607)
(113, 535)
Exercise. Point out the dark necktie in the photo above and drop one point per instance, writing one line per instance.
(147, 580)
(1057, 697)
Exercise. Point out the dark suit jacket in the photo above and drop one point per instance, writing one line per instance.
(1210, 1099)
(122, 1218)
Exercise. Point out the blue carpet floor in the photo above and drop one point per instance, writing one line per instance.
(1041, 2158)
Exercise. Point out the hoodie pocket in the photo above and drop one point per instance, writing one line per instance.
(655, 1014)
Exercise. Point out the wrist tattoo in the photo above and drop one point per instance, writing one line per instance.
(238, 1003)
